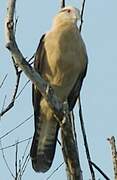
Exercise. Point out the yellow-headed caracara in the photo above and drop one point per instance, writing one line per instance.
(61, 59)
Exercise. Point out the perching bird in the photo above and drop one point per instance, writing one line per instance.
(61, 59)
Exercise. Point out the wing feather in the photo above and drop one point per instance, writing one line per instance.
(75, 92)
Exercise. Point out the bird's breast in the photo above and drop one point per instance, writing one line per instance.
(64, 62)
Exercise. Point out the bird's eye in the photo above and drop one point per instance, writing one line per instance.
(69, 10)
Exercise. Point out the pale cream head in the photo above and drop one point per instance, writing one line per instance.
(67, 14)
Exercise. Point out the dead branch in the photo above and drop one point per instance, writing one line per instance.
(114, 155)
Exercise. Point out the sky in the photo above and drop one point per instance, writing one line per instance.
(99, 100)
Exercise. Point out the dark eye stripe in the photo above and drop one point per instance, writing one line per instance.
(63, 10)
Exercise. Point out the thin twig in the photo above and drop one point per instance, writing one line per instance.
(101, 172)
(25, 164)
(11, 104)
(31, 58)
(12, 145)
(22, 89)
(6, 163)
(3, 80)
(55, 171)
(82, 13)
(4, 100)
(6, 134)
(19, 173)
(62, 3)
(59, 142)
(16, 160)
(85, 141)
(25, 150)
(3, 155)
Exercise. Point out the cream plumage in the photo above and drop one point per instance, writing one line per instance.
(61, 59)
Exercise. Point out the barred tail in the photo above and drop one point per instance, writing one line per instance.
(44, 144)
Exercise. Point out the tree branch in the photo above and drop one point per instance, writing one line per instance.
(85, 141)
(114, 155)
(82, 13)
(70, 152)
(11, 44)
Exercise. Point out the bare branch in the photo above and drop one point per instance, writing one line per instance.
(85, 141)
(6, 163)
(12, 145)
(6, 134)
(11, 104)
(32, 57)
(26, 149)
(25, 164)
(16, 160)
(19, 173)
(3, 155)
(82, 13)
(101, 172)
(22, 89)
(70, 152)
(62, 3)
(114, 154)
(3, 80)
(55, 171)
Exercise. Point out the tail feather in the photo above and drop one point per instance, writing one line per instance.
(44, 144)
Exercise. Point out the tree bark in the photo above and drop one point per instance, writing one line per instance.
(114, 155)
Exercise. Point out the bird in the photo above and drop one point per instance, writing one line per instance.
(61, 59)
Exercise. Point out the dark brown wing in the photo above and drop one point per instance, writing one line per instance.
(75, 92)
(36, 95)
(43, 144)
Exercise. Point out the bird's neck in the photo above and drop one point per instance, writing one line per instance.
(63, 25)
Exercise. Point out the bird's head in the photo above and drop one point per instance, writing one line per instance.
(68, 14)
